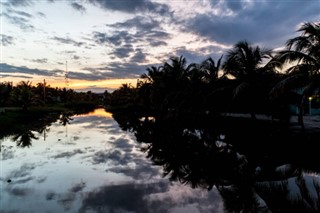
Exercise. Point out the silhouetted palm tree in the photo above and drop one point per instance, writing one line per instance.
(23, 94)
(24, 138)
(304, 52)
(211, 69)
(245, 63)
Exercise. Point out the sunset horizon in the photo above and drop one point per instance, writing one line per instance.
(105, 44)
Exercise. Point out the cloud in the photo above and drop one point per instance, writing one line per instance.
(192, 56)
(133, 6)
(68, 41)
(265, 23)
(20, 22)
(124, 70)
(20, 13)
(78, 7)
(156, 43)
(42, 15)
(140, 23)
(14, 76)
(19, 3)
(75, 57)
(138, 57)
(6, 68)
(117, 38)
(6, 40)
(40, 60)
(123, 51)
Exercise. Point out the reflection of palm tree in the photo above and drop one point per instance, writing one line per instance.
(188, 151)
(65, 118)
(24, 138)
(303, 50)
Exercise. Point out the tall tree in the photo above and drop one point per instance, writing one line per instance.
(23, 94)
(245, 64)
(304, 53)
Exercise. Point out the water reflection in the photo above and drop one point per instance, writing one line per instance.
(256, 165)
(96, 167)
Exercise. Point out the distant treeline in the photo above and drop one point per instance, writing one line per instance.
(25, 95)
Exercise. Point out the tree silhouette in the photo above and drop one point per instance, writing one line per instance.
(245, 63)
(304, 53)
(23, 94)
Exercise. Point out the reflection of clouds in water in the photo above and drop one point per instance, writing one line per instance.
(106, 125)
(143, 170)
(7, 153)
(180, 198)
(120, 198)
(23, 174)
(114, 156)
(68, 154)
(123, 144)
(153, 197)
(23, 171)
(67, 199)
(19, 191)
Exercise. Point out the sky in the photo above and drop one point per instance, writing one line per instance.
(102, 44)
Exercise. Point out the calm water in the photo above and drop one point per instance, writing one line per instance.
(90, 165)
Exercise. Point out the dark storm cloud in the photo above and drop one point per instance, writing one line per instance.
(269, 22)
(20, 22)
(6, 68)
(68, 41)
(6, 40)
(133, 6)
(78, 7)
